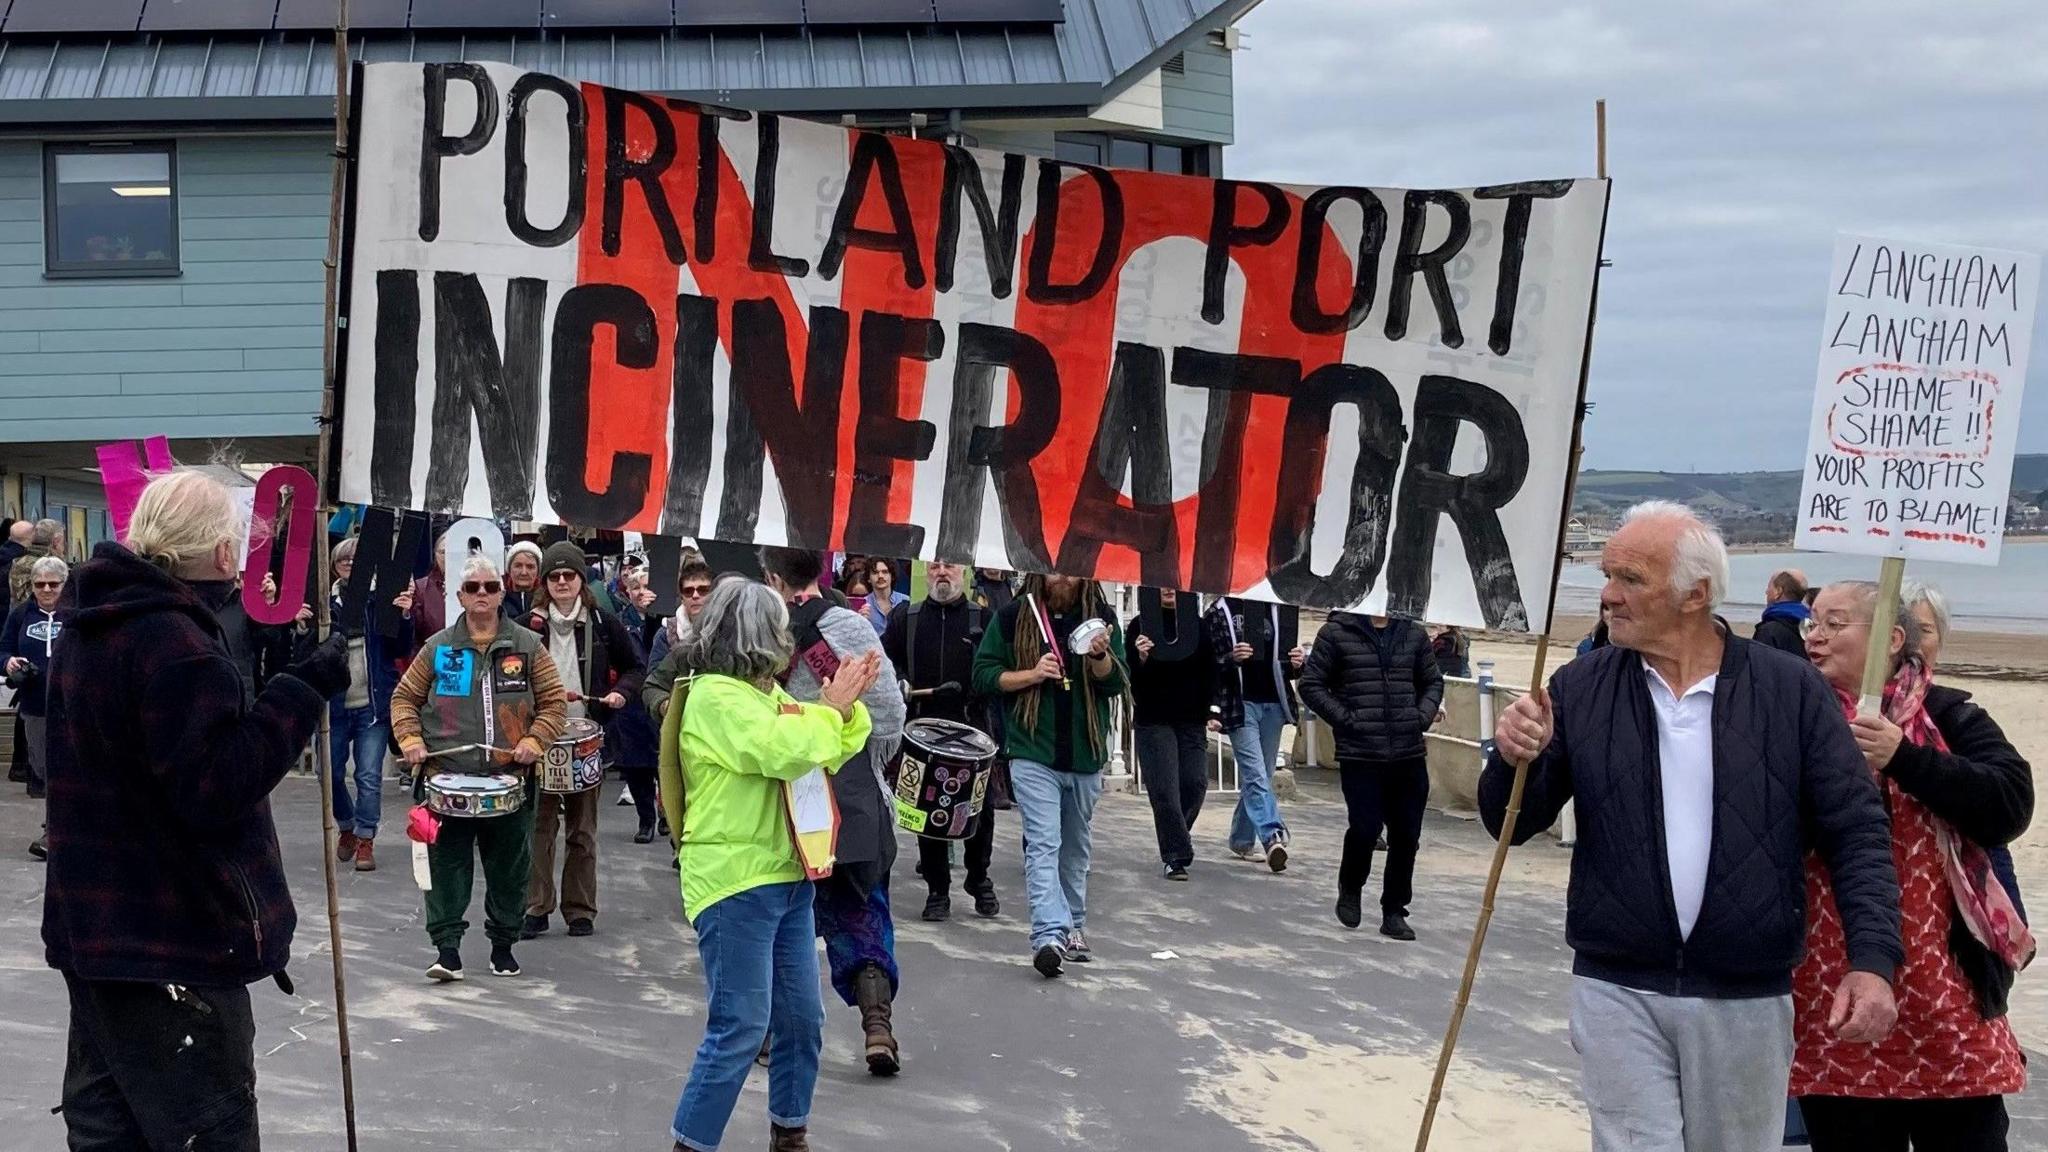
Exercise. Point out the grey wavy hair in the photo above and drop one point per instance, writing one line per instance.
(48, 566)
(1866, 610)
(479, 567)
(1701, 554)
(743, 632)
(1919, 592)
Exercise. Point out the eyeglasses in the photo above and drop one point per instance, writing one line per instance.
(48, 584)
(693, 591)
(1811, 626)
(482, 587)
(563, 576)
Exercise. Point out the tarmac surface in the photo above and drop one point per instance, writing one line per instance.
(1232, 1012)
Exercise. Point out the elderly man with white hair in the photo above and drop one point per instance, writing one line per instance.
(1705, 768)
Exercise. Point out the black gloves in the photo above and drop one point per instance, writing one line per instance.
(325, 668)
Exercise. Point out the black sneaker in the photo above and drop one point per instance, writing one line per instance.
(534, 926)
(1348, 912)
(1396, 926)
(986, 905)
(1276, 855)
(1049, 960)
(447, 966)
(502, 963)
(938, 906)
(1176, 872)
(582, 926)
(39, 849)
(645, 834)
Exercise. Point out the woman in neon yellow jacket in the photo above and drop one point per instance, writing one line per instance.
(744, 887)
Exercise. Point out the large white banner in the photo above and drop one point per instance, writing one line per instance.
(575, 304)
(1917, 409)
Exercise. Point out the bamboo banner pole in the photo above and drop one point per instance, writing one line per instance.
(1877, 663)
(1514, 808)
(322, 564)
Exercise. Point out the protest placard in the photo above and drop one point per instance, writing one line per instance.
(1917, 409)
(575, 304)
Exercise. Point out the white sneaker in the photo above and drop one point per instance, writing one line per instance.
(625, 797)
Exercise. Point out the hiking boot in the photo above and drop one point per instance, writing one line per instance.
(1049, 960)
(366, 856)
(534, 926)
(646, 833)
(447, 966)
(873, 994)
(938, 906)
(1348, 912)
(782, 1139)
(502, 963)
(1395, 925)
(986, 905)
(345, 847)
(581, 926)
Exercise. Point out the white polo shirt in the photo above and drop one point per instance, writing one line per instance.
(1685, 760)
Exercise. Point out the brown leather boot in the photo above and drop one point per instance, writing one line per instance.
(782, 1139)
(366, 855)
(871, 991)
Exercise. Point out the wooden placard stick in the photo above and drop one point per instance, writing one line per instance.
(1514, 809)
(324, 579)
(1877, 664)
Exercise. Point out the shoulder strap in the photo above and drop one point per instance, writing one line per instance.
(910, 641)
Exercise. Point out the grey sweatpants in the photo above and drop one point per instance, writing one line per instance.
(1677, 1074)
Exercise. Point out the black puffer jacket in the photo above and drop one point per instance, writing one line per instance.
(1378, 688)
(1787, 779)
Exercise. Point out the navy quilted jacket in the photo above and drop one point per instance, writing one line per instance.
(1787, 779)
(164, 864)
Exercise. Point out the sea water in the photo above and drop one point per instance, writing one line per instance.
(2011, 596)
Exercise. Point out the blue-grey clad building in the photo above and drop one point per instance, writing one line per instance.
(164, 168)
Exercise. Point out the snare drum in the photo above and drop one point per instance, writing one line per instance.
(943, 783)
(459, 794)
(575, 761)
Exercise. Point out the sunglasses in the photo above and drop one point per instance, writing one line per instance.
(49, 583)
(693, 591)
(563, 577)
(482, 587)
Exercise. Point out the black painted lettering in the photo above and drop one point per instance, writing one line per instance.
(1004, 452)
(396, 379)
(689, 454)
(1131, 434)
(583, 310)
(1514, 240)
(766, 419)
(516, 163)
(881, 436)
(1306, 311)
(1429, 490)
(1175, 641)
(1369, 512)
(620, 168)
(1232, 379)
(1411, 260)
(435, 143)
(761, 255)
(1045, 234)
(1227, 232)
(502, 392)
(874, 160)
(998, 226)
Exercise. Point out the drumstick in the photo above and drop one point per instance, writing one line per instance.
(1045, 631)
(460, 748)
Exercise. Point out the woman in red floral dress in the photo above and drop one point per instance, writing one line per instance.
(1954, 785)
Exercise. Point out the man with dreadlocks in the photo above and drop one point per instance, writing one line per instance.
(1056, 736)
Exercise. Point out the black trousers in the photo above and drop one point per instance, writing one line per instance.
(146, 1071)
(936, 866)
(640, 782)
(1391, 796)
(1967, 1124)
(1174, 759)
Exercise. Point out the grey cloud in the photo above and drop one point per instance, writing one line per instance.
(1742, 137)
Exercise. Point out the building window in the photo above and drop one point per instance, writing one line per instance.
(1131, 152)
(110, 209)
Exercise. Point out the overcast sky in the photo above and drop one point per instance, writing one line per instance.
(1742, 137)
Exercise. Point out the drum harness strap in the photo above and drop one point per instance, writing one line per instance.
(974, 624)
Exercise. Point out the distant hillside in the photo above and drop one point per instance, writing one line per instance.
(1763, 494)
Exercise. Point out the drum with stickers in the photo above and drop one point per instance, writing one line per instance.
(463, 795)
(943, 783)
(575, 761)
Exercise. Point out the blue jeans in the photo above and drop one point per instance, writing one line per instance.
(360, 730)
(1255, 745)
(761, 972)
(1056, 808)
